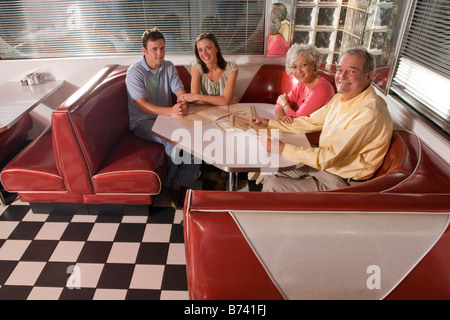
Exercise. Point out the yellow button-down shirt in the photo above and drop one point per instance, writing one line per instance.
(355, 135)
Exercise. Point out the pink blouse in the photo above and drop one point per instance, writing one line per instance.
(302, 104)
(278, 47)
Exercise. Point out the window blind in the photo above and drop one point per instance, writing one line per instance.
(422, 77)
(65, 28)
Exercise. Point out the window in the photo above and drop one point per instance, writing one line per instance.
(335, 25)
(67, 28)
(422, 78)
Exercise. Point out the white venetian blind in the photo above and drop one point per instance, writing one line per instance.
(423, 74)
(64, 28)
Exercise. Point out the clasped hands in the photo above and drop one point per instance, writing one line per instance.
(180, 109)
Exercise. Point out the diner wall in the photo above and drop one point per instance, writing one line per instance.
(77, 71)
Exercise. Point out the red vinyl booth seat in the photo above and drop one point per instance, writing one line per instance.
(222, 262)
(88, 155)
(40, 174)
(412, 182)
(399, 163)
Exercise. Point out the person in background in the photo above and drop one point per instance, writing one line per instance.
(312, 91)
(150, 83)
(278, 46)
(279, 11)
(213, 79)
(356, 133)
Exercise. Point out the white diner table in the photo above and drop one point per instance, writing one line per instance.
(16, 100)
(233, 151)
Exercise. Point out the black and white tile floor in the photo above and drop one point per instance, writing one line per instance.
(104, 257)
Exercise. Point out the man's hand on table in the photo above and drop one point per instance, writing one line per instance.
(261, 121)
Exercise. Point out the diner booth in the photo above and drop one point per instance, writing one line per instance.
(66, 151)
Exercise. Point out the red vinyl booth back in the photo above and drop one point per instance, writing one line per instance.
(97, 125)
(88, 155)
(272, 80)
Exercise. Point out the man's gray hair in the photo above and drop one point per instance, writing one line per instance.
(297, 50)
(369, 59)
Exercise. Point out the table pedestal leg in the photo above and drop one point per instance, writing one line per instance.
(232, 181)
(2, 200)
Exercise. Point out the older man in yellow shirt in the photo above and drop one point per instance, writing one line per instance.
(356, 133)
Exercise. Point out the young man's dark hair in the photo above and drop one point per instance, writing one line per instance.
(151, 35)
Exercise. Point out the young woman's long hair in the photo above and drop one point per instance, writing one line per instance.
(220, 60)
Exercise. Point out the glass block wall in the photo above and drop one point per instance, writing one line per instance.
(335, 25)
(378, 30)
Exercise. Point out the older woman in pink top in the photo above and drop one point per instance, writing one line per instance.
(312, 91)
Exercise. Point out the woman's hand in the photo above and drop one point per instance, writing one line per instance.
(188, 97)
(283, 99)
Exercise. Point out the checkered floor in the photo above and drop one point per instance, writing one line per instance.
(92, 257)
